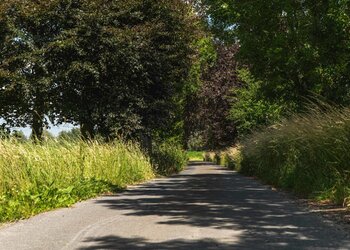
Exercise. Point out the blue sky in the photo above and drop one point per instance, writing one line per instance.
(55, 130)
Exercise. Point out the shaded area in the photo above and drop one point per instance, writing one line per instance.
(114, 242)
(207, 196)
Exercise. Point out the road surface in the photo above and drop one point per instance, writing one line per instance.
(205, 207)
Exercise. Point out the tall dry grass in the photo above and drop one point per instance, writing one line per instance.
(309, 154)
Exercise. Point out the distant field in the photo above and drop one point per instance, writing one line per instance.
(195, 155)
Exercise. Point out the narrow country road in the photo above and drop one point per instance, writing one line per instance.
(205, 207)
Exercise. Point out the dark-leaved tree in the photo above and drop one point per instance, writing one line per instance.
(208, 109)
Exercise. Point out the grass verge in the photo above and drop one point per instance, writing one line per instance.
(37, 178)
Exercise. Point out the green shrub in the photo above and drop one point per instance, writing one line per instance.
(168, 158)
(308, 154)
(36, 178)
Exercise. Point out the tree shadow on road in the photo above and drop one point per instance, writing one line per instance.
(115, 242)
(223, 200)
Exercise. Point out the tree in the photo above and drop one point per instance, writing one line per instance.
(206, 57)
(215, 97)
(27, 27)
(113, 67)
(207, 106)
(249, 109)
(120, 65)
(293, 48)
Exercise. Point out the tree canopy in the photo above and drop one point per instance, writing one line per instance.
(292, 49)
(169, 68)
(113, 67)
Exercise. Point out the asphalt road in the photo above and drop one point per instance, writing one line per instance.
(205, 207)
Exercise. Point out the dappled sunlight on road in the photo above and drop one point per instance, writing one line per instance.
(209, 202)
(204, 207)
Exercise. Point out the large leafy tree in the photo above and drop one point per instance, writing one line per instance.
(214, 98)
(26, 29)
(205, 58)
(121, 64)
(293, 48)
(207, 103)
(113, 67)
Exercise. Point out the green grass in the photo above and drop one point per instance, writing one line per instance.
(195, 155)
(36, 178)
(309, 154)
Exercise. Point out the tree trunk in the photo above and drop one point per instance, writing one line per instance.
(38, 122)
(37, 127)
(146, 143)
(87, 131)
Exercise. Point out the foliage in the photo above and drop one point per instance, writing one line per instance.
(25, 84)
(211, 109)
(114, 68)
(47, 135)
(229, 158)
(196, 141)
(73, 135)
(293, 48)
(138, 54)
(168, 158)
(36, 178)
(308, 154)
(249, 109)
(4, 132)
(206, 57)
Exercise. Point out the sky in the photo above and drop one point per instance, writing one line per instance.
(55, 130)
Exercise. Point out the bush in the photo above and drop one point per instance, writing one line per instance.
(36, 178)
(308, 154)
(168, 159)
